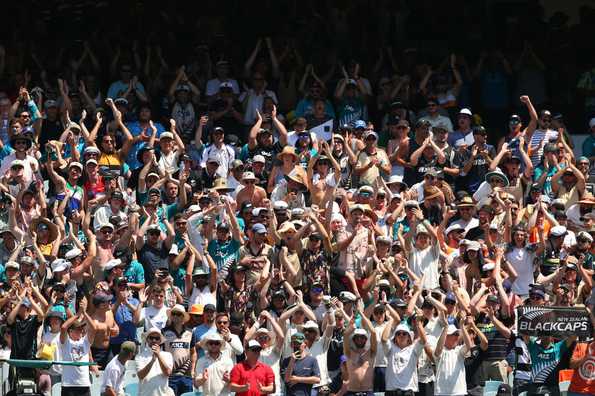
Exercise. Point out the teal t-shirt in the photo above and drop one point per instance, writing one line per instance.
(224, 253)
(135, 273)
(544, 361)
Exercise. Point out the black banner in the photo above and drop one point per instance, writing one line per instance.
(559, 322)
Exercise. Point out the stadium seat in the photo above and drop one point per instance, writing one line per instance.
(57, 389)
(491, 388)
(96, 383)
(564, 385)
(131, 389)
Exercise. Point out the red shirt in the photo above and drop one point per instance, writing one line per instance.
(242, 374)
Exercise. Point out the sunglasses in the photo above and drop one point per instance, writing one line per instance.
(154, 338)
(177, 314)
(213, 343)
(401, 334)
(19, 142)
(249, 182)
(106, 231)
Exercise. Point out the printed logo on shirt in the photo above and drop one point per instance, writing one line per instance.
(587, 369)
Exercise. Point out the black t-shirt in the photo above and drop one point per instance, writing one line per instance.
(153, 259)
(475, 233)
(480, 167)
(269, 154)
(24, 338)
(50, 130)
(227, 122)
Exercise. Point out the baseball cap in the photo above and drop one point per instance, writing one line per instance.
(466, 111)
(360, 124)
(259, 158)
(259, 228)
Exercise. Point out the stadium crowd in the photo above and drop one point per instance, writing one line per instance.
(273, 226)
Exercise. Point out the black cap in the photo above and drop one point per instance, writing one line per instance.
(422, 123)
(236, 318)
(479, 130)
(394, 120)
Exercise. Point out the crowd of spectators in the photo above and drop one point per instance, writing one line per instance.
(309, 219)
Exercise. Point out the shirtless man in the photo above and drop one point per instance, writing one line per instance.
(251, 192)
(322, 178)
(360, 361)
(105, 327)
(105, 249)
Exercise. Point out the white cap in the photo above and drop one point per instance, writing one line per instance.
(345, 295)
(104, 225)
(213, 336)
(59, 265)
(248, 176)
(451, 329)
(383, 282)
(76, 164)
(254, 344)
(592, 122)
(259, 158)
(466, 111)
(166, 135)
(360, 332)
(280, 205)
(473, 245)
(113, 263)
(72, 253)
(310, 325)
(585, 235)
(256, 211)
(558, 231)
(405, 328)
(453, 227)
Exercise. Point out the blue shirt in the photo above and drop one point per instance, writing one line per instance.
(136, 130)
(197, 334)
(119, 88)
(123, 318)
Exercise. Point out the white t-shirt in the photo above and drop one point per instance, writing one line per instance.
(272, 358)
(169, 163)
(426, 262)
(154, 317)
(522, 262)
(75, 351)
(401, 370)
(381, 354)
(204, 296)
(216, 368)
(50, 338)
(450, 372)
(319, 350)
(292, 138)
(155, 383)
(113, 376)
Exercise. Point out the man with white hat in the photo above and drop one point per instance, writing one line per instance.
(360, 360)
(251, 192)
(403, 353)
(154, 366)
(450, 359)
(272, 342)
(318, 346)
(212, 370)
(177, 342)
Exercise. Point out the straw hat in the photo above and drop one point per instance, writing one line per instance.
(220, 185)
(288, 150)
(52, 228)
(296, 177)
(178, 308)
